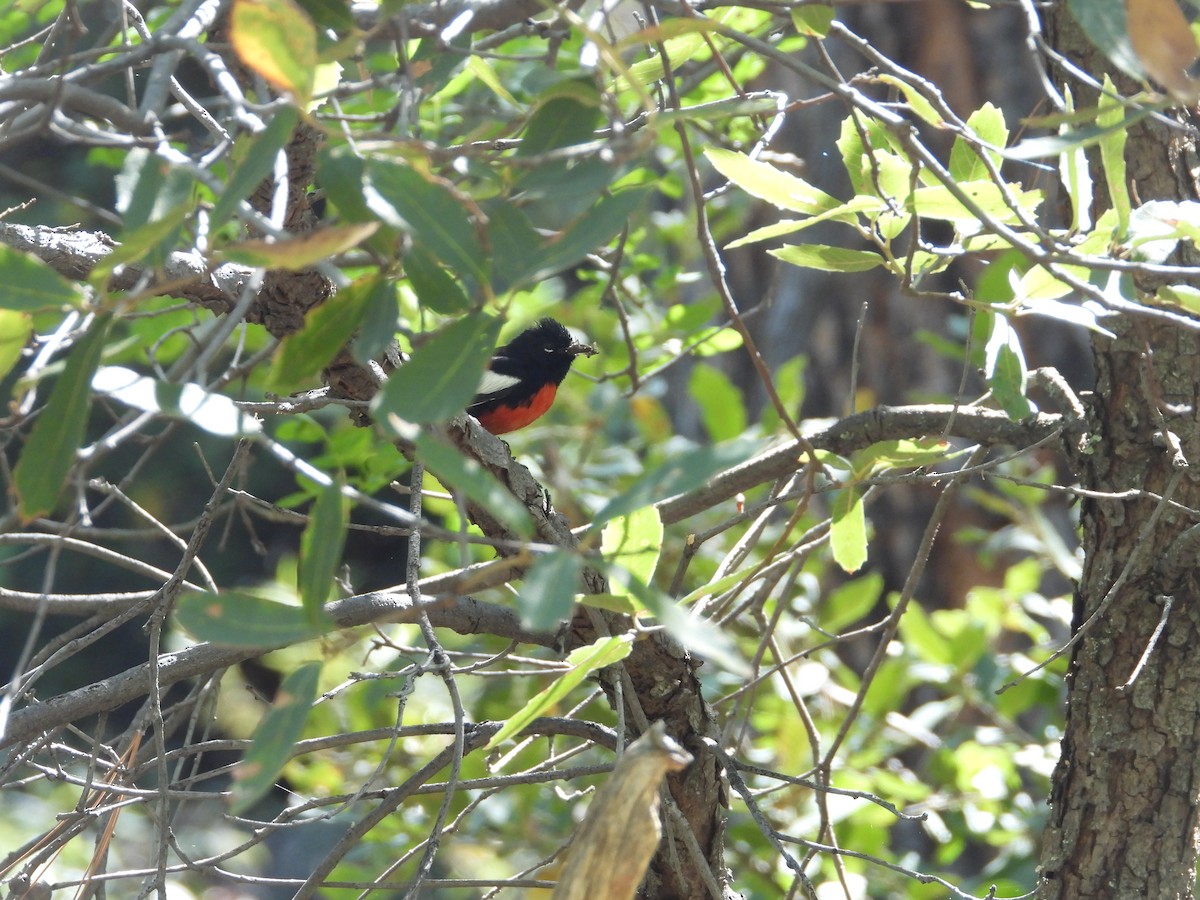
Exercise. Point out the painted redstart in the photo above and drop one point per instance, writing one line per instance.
(523, 376)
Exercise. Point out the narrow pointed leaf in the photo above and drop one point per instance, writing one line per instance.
(583, 662)
(237, 619)
(276, 737)
(443, 374)
(321, 550)
(49, 452)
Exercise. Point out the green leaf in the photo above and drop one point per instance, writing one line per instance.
(514, 245)
(849, 602)
(592, 230)
(634, 542)
(435, 288)
(321, 550)
(405, 199)
(236, 619)
(1005, 369)
(939, 203)
(682, 472)
(920, 635)
(148, 245)
(15, 330)
(828, 259)
(256, 157)
(1106, 23)
(1077, 178)
(341, 173)
(442, 376)
(1112, 155)
(720, 400)
(902, 453)
(277, 39)
(434, 63)
(49, 451)
(468, 477)
(917, 101)
(584, 661)
(764, 181)
(28, 284)
(1075, 139)
(377, 322)
(872, 207)
(715, 340)
(848, 531)
(1184, 296)
(547, 593)
(989, 127)
(813, 19)
(215, 413)
(275, 737)
(149, 190)
(327, 328)
(571, 116)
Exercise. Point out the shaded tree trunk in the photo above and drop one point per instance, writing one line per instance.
(1123, 821)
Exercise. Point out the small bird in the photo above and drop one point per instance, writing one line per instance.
(523, 376)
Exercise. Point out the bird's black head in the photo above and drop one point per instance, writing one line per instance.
(546, 349)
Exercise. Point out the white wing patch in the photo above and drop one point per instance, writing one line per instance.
(494, 382)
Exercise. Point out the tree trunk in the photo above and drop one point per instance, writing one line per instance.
(1123, 819)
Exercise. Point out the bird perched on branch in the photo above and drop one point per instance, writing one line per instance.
(523, 376)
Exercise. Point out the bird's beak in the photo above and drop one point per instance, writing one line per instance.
(580, 349)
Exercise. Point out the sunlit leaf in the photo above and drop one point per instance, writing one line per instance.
(849, 602)
(582, 662)
(989, 127)
(768, 183)
(1005, 369)
(302, 251)
(848, 531)
(634, 542)
(15, 331)
(813, 19)
(214, 413)
(277, 39)
(828, 259)
(1112, 154)
(304, 353)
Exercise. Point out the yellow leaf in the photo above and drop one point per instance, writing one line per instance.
(277, 39)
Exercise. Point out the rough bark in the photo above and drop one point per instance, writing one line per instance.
(1124, 811)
